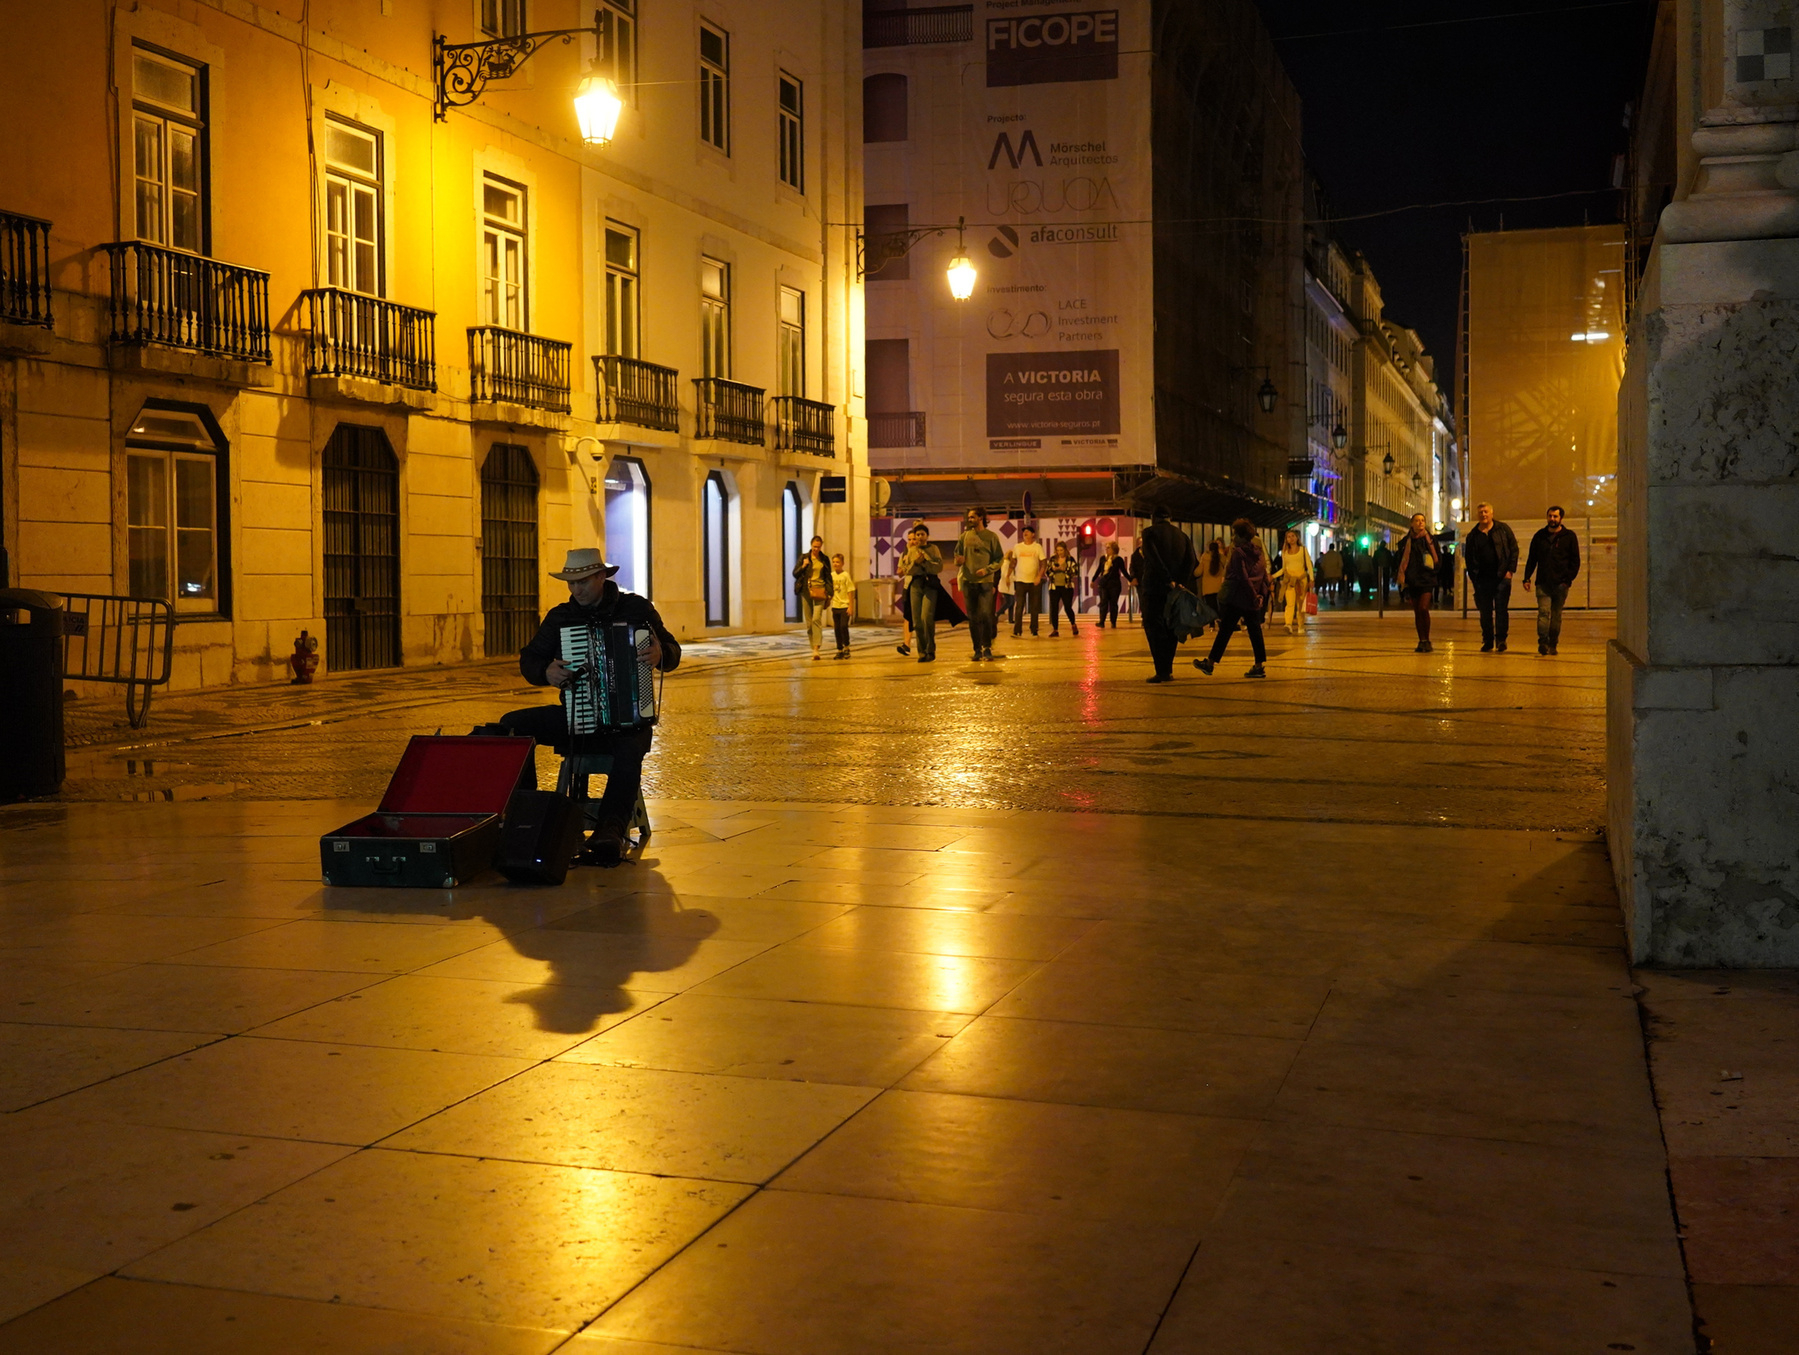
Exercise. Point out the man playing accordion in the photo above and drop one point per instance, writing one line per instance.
(594, 600)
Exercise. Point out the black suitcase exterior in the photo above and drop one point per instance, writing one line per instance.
(439, 822)
(539, 838)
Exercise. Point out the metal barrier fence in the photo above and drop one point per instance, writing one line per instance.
(123, 640)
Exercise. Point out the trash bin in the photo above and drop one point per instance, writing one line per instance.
(31, 761)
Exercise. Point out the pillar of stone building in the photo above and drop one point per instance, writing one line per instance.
(1703, 679)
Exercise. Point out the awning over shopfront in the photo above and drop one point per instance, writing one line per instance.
(1128, 490)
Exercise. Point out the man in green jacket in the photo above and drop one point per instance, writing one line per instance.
(979, 558)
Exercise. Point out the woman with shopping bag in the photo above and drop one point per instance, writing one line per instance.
(1295, 581)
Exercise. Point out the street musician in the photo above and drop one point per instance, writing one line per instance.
(595, 601)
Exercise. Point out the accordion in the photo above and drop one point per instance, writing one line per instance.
(612, 683)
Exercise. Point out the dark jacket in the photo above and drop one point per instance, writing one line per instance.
(1109, 575)
(1554, 558)
(802, 572)
(1418, 563)
(614, 605)
(1490, 555)
(1246, 581)
(1164, 557)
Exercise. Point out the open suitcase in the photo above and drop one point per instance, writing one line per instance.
(439, 822)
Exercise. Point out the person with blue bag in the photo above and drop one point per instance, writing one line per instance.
(1164, 567)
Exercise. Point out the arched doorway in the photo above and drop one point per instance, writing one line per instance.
(628, 524)
(717, 548)
(509, 562)
(793, 545)
(362, 550)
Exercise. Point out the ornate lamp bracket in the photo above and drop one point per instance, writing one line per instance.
(464, 68)
(875, 252)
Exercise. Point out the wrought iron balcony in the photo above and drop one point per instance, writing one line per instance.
(914, 27)
(163, 296)
(518, 369)
(905, 429)
(24, 269)
(804, 426)
(728, 410)
(638, 393)
(354, 335)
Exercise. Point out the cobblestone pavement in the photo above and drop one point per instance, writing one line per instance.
(1351, 726)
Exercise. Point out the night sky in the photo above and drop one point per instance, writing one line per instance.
(1506, 107)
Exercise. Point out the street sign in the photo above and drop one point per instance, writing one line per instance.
(880, 493)
(834, 488)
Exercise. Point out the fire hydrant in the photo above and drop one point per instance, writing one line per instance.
(305, 657)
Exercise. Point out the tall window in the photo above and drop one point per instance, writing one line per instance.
(353, 208)
(621, 290)
(171, 510)
(715, 535)
(791, 131)
(168, 99)
(715, 318)
(884, 108)
(616, 52)
(628, 523)
(503, 18)
(503, 253)
(715, 87)
(791, 343)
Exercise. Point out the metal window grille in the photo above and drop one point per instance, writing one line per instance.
(509, 556)
(362, 550)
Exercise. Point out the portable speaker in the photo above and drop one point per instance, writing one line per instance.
(539, 837)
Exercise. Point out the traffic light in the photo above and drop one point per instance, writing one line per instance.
(1367, 541)
(1089, 538)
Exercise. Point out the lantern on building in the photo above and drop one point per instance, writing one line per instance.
(597, 107)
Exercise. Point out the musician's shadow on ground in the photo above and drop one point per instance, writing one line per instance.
(605, 936)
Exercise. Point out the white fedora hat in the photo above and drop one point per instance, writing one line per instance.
(584, 564)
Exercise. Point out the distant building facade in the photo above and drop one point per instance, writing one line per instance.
(280, 348)
(1138, 173)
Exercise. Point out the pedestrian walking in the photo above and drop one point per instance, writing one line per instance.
(1417, 569)
(918, 570)
(812, 582)
(1163, 561)
(1490, 558)
(1555, 560)
(1446, 574)
(1346, 586)
(1211, 573)
(1365, 571)
(1027, 559)
(1062, 571)
(1383, 568)
(979, 555)
(1295, 581)
(1008, 593)
(1244, 599)
(1108, 582)
(1330, 572)
(843, 594)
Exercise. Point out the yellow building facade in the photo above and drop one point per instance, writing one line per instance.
(284, 348)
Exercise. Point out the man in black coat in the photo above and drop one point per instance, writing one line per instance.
(594, 599)
(1164, 558)
(1490, 555)
(1555, 560)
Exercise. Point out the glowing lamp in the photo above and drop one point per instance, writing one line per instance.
(1267, 395)
(597, 106)
(1339, 437)
(961, 277)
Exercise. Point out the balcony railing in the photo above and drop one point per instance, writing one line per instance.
(728, 410)
(163, 296)
(804, 426)
(354, 335)
(638, 393)
(905, 429)
(914, 27)
(518, 369)
(24, 269)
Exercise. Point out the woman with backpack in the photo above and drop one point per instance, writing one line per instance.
(1243, 600)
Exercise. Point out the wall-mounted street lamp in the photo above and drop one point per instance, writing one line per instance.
(1266, 395)
(464, 69)
(1386, 464)
(1417, 481)
(1339, 437)
(875, 252)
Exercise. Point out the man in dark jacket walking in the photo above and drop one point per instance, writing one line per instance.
(1490, 555)
(1164, 560)
(593, 599)
(1555, 560)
